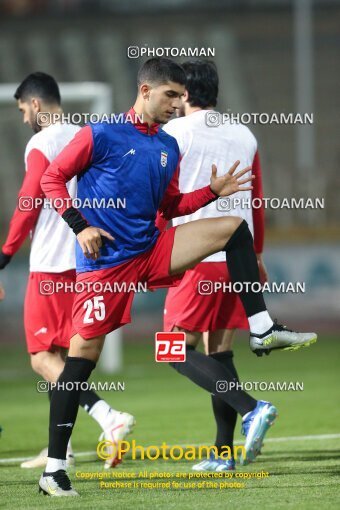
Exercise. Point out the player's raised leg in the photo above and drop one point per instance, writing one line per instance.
(232, 235)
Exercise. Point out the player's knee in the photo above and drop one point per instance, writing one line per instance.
(86, 351)
(226, 228)
(240, 237)
(220, 340)
(91, 354)
(233, 222)
(89, 349)
(37, 363)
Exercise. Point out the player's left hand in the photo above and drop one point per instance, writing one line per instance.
(230, 182)
(90, 241)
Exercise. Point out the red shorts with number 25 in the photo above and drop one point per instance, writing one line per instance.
(105, 303)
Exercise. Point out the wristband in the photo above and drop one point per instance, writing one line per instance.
(75, 220)
(4, 259)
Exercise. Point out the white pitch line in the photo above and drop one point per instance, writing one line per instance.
(318, 437)
(302, 438)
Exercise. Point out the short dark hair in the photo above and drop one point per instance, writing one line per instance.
(41, 85)
(201, 82)
(161, 70)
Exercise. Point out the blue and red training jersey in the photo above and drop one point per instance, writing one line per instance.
(131, 170)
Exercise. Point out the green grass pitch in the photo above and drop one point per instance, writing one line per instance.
(303, 472)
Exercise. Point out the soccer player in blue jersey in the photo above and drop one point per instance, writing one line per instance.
(139, 162)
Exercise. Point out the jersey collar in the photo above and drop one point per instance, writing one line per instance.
(143, 127)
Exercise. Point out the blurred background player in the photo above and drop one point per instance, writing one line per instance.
(47, 315)
(187, 308)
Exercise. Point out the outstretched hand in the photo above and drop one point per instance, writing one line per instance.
(230, 182)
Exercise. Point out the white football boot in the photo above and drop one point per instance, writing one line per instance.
(120, 426)
(280, 337)
(56, 484)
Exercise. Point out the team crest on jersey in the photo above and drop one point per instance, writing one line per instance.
(164, 158)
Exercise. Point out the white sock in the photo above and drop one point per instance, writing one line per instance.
(260, 323)
(54, 465)
(103, 413)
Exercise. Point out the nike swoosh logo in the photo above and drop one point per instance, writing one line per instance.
(41, 330)
(50, 490)
(64, 425)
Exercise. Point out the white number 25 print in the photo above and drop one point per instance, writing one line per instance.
(95, 309)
